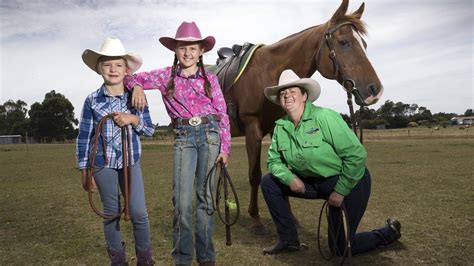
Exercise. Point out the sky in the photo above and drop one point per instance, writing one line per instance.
(422, 50)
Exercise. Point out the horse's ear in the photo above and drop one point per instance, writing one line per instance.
(358, 12)
(341, 11)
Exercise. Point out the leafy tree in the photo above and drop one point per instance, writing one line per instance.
(13, 118)
(468, 112)
(53, 119)
(395, 114)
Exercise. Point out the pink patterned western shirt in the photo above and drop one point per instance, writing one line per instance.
(189, 97)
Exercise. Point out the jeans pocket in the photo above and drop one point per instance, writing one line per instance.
(212, 135)
(180, 136)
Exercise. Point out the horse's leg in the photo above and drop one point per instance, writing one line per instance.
(253, 141)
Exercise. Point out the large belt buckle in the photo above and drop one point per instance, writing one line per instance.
(195, 121)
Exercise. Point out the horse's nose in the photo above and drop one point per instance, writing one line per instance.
(373, 90)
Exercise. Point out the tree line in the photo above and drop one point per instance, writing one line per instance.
(401, 115)
(53, 119)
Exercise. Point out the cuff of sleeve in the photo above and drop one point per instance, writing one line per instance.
(225, 150)
(140, 125)
(288, 179)
(130, 82)
(341, 189)
(82, 165)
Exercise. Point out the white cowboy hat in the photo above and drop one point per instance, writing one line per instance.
(188, 32)
(288, 78)
(112, 47)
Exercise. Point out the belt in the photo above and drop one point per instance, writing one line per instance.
(196, 120)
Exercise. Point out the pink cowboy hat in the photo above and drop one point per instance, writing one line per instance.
(188, 32)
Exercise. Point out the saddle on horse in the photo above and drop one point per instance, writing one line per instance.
(231, 63)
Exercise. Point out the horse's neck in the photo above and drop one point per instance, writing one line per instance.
(298, 51)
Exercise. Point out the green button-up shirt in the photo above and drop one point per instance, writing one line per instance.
(322, 145)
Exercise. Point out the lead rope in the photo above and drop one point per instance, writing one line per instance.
(126, 169)
(222, 183)
(334, 234)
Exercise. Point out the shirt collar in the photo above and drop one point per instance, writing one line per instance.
(193, 76)
(103, 92)
(286, 122)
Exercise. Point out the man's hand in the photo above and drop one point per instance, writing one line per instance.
(139, 98)
(297, 185)
(335, 199)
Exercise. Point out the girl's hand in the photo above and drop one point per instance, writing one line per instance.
(123, 119)
(223, 158)
(138, 98)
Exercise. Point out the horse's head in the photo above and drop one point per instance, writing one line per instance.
(343, 57)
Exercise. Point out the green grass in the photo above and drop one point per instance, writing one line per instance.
(426, 182)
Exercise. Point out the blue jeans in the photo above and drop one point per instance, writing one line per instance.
(195, 151)
(276, 196)
(108, 180)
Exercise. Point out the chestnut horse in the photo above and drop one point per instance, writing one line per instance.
(335, 49)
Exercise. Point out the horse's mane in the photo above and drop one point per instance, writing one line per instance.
(359, 25)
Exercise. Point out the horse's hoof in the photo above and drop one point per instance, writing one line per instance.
(260, 230)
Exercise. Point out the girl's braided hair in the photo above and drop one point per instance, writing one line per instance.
(171, 86)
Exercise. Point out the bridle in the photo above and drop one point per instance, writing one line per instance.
(350, 87)
(126, 169)
(347, 83)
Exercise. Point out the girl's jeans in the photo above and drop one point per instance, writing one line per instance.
(108, 180)
(195, 151)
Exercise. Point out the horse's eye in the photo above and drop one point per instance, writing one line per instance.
(345, 43)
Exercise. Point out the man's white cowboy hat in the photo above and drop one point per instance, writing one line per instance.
(112, 47)
(188, 32)
(288, 78)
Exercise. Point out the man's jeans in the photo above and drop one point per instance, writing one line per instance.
(276, 196)
(195, 151)
(108, 180)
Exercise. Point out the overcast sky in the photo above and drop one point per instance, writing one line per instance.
(422, 50)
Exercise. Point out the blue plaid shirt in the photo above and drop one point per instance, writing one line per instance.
(97, 105)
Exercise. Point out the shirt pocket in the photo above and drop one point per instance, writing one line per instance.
(283, 146)
(314, 141)
(100, 109)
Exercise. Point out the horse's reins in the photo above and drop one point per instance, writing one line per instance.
(223, 182)
(348, 84)
(126, 170)
(350, 88)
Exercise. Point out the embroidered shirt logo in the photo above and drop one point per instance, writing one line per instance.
(312, 130)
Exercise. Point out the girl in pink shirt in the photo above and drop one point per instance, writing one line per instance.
(196, 106)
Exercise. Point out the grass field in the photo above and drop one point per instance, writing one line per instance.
(424, 178)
